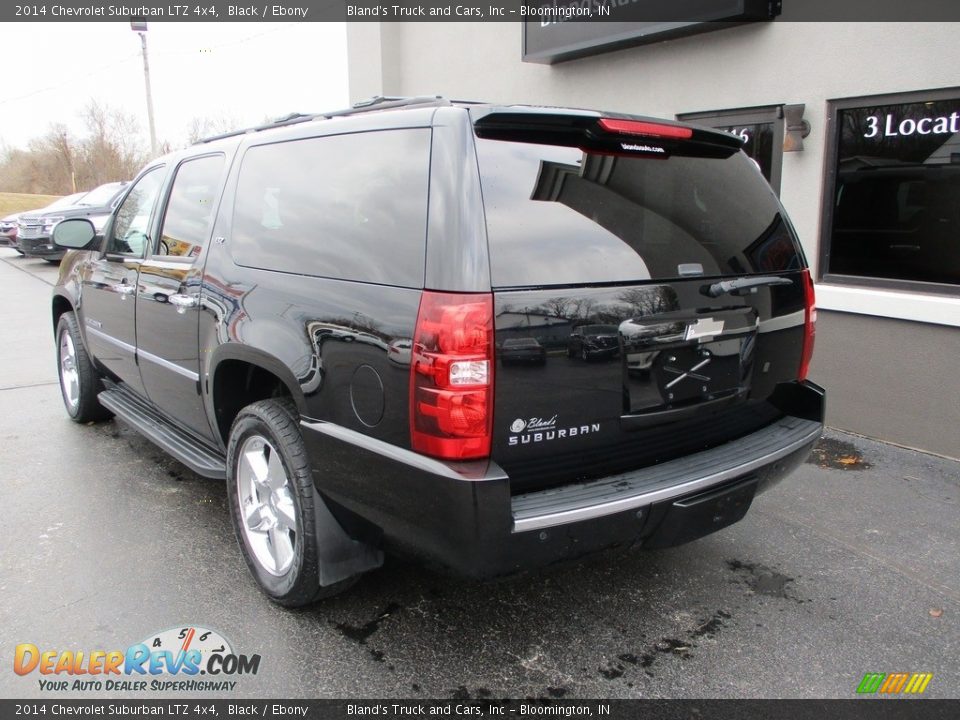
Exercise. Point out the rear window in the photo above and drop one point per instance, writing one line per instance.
(351, 207)
(561, 215)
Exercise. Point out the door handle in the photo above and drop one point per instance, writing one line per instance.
(182, 302)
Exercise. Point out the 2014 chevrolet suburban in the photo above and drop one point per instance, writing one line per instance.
(312, 310)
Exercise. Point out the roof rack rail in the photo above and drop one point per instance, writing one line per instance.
(378, 102)
(386, 102)
(291, 119)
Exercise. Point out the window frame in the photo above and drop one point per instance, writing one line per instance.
(829, 189)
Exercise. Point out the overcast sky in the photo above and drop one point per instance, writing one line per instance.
(239, 71)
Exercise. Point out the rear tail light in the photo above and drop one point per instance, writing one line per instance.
(809, 324)
(451, 376)
(647, 129)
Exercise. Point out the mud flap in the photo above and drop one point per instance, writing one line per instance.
(694, 516)
(338, 555)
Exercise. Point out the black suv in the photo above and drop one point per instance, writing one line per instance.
(312, 309)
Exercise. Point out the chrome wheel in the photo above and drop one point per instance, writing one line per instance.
(69, 375)
(267, 510)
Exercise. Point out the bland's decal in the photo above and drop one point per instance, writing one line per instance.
(540, 430)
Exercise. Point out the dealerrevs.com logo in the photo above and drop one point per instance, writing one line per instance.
(172, 660)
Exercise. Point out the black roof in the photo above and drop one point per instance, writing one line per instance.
(374, 104)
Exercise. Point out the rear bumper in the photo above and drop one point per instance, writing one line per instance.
(462, 517)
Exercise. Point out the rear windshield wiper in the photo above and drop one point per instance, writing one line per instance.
(739, 285)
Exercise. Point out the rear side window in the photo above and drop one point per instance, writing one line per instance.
(561, 215)
(351, 207)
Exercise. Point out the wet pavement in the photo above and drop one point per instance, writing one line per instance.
(850, 566)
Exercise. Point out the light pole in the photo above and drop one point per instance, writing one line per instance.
(141, 29)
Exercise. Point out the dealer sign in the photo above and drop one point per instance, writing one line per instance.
(558, 30)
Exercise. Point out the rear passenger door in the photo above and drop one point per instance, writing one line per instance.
(168, 304)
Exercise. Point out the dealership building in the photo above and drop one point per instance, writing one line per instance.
(856, 125)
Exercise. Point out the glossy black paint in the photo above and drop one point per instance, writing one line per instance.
(107, 306)
(167, 340)
(315, 332)
(457, 517)
(457, 256)
(612, 351)
(341, 348)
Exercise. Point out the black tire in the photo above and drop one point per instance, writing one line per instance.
(274, 420)
(85, 407)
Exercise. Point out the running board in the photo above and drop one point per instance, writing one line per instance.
(156, 428)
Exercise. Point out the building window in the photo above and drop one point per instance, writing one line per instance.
(761, 129)
(892, 192)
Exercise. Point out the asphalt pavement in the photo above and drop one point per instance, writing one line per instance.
(850, 566)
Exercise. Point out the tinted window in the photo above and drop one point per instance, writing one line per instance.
(128, 235)
(761, 130)
(349, 206)
(186, 225)
(560, 215)
(896, 212)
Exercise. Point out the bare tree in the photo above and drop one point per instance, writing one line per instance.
(558, 306)
(113, 146)
(201, 127)
(62, 145)
(57, 163)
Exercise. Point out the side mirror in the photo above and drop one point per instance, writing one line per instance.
(74, 234)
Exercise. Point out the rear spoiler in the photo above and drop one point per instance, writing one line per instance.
(607, 133)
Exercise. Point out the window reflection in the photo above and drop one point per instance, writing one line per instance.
(128, 236)
(558, 215)
(896, 212)
(352, 207)
(189, 216)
